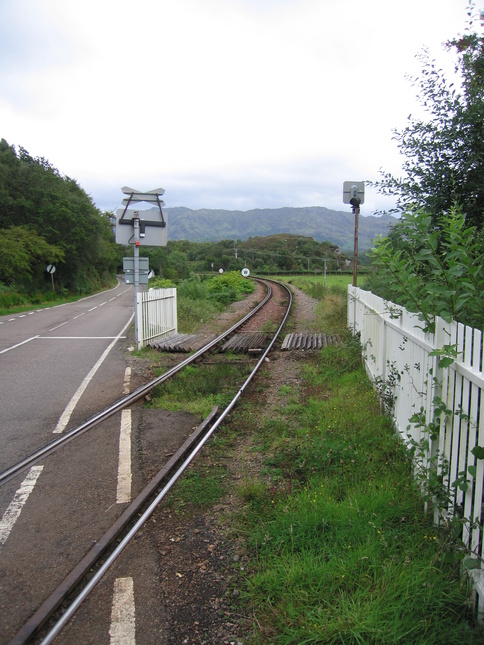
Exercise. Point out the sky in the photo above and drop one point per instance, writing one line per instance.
(225, 104)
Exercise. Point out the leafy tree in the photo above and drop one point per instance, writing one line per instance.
(34, 195)
(444, 155)
(432, 270)
(24, 256)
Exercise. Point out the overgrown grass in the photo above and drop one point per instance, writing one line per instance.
(198, 488)
(196, 389)
(200, 300)
(331, 311)
(339, 549)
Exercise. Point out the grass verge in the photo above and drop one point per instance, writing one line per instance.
(339, 549)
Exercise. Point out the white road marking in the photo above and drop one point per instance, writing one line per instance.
(66, 415)
(123, 620)
(123, 492)
(127, 380)
(18, 344)
(61, 325)
(76, 317)
(92, 309)
(12, 513)
(79, 337)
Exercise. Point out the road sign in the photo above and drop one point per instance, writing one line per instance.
(50, 268)
(152, 222)
(153, 231)
(132, 191)
(128, 264)
(245, 272)
(353, 190)
(149, 199)
(149, 196)
(142, 278)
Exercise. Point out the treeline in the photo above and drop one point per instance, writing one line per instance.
(273, 254)
(47, 218)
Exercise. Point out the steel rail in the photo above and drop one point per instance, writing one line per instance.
(122, 403)
(48, 608)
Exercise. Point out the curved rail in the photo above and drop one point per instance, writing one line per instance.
(122, 403)
(51, 604)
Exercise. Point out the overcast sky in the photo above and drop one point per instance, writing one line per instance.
(235, 104)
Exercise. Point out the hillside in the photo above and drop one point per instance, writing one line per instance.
(322, 224)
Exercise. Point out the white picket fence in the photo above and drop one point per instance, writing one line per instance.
(397, 355)
(156, 312)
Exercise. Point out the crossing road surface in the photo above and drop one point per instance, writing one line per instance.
(58, 366)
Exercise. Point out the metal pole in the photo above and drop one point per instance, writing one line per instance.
(136, 273)
(356, 210)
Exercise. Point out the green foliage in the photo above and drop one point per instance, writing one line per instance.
(54, 221)
(340, 548)
(229, 287)
(24, 255)
(198, 388)
(444, 155)
(180, 258)
(199, 489)
(432, 270)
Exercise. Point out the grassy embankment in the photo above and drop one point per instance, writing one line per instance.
(339, 548)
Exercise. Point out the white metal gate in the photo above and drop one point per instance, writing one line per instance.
(157, 315)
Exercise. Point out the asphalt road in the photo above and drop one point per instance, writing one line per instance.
(57, 367)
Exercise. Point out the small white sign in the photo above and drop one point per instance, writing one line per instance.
(50, 268)
(245, 272)
(220, 270)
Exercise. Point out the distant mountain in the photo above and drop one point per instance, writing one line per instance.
(322, 224)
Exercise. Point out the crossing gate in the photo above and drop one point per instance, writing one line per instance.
(157, 315)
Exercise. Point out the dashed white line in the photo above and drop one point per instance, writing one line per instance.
(12, 513)
(123, 491)
(92, 309)
(61, 325)
(66, 415)
(123, 619)
(127, 380)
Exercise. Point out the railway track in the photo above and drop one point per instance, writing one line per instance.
(48, 620)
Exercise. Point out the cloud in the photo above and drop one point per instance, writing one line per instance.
(226, 103)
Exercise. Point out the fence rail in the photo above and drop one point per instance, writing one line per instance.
(400, 357)
(157, 315)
